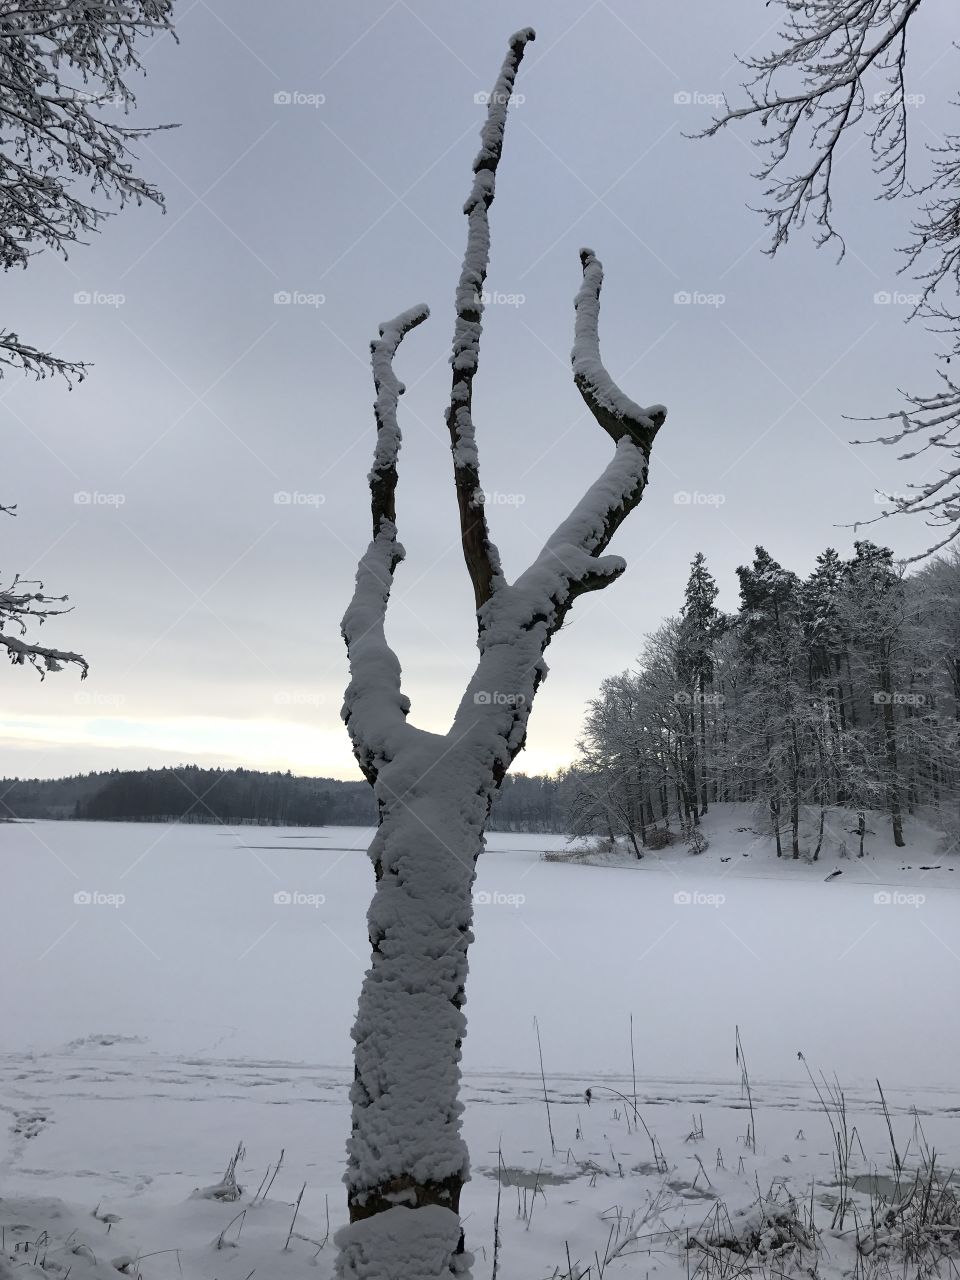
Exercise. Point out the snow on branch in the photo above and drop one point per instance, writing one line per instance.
(573, 553)
(516, 620)
(18, 609)
(480, 553)
(936, 417)
(40, 657)
(375, 708)
(572, 561)
(839, 65)
(389, 389)
(825, 52)
(617, 413)
(66, 72)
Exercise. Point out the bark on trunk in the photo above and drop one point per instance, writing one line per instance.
(890, 747)
(703, 746)
(775, 823)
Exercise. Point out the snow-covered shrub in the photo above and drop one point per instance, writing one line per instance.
(695, 840)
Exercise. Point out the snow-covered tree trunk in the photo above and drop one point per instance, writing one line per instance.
(407, 1161)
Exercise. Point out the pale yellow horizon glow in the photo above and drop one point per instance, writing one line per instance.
(265, 744)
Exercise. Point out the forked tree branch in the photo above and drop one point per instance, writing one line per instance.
(616, 412)
(572, 561)
(518, 623)
(375, 708)
(516, 620)
(479, 551)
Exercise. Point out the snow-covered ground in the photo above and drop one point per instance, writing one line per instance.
(186, 1006)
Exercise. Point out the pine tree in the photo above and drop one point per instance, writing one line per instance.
(769, 623)
(700, 625)
(876, 611)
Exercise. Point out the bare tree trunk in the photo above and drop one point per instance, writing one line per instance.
(703, 747)
(794, 790)
(775, 822)
(890, 752)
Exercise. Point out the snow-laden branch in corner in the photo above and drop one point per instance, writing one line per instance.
(20, 609)
(615, 411)
(375, 708)
(819, 82)
(479, 551)
(44, 659)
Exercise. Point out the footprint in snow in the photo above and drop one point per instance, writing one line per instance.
(27, 1124)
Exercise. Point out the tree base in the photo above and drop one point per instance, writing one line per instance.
(403, 1244)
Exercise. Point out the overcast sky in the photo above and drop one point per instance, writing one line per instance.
(324, 152)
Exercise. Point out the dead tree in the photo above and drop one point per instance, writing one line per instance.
(407, 1161)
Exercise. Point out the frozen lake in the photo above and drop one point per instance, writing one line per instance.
(170, 991)
(198, 958)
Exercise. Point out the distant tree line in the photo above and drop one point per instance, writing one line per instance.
(189, 793)
(836, 691)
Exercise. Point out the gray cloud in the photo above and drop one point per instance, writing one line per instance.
(203, 602)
